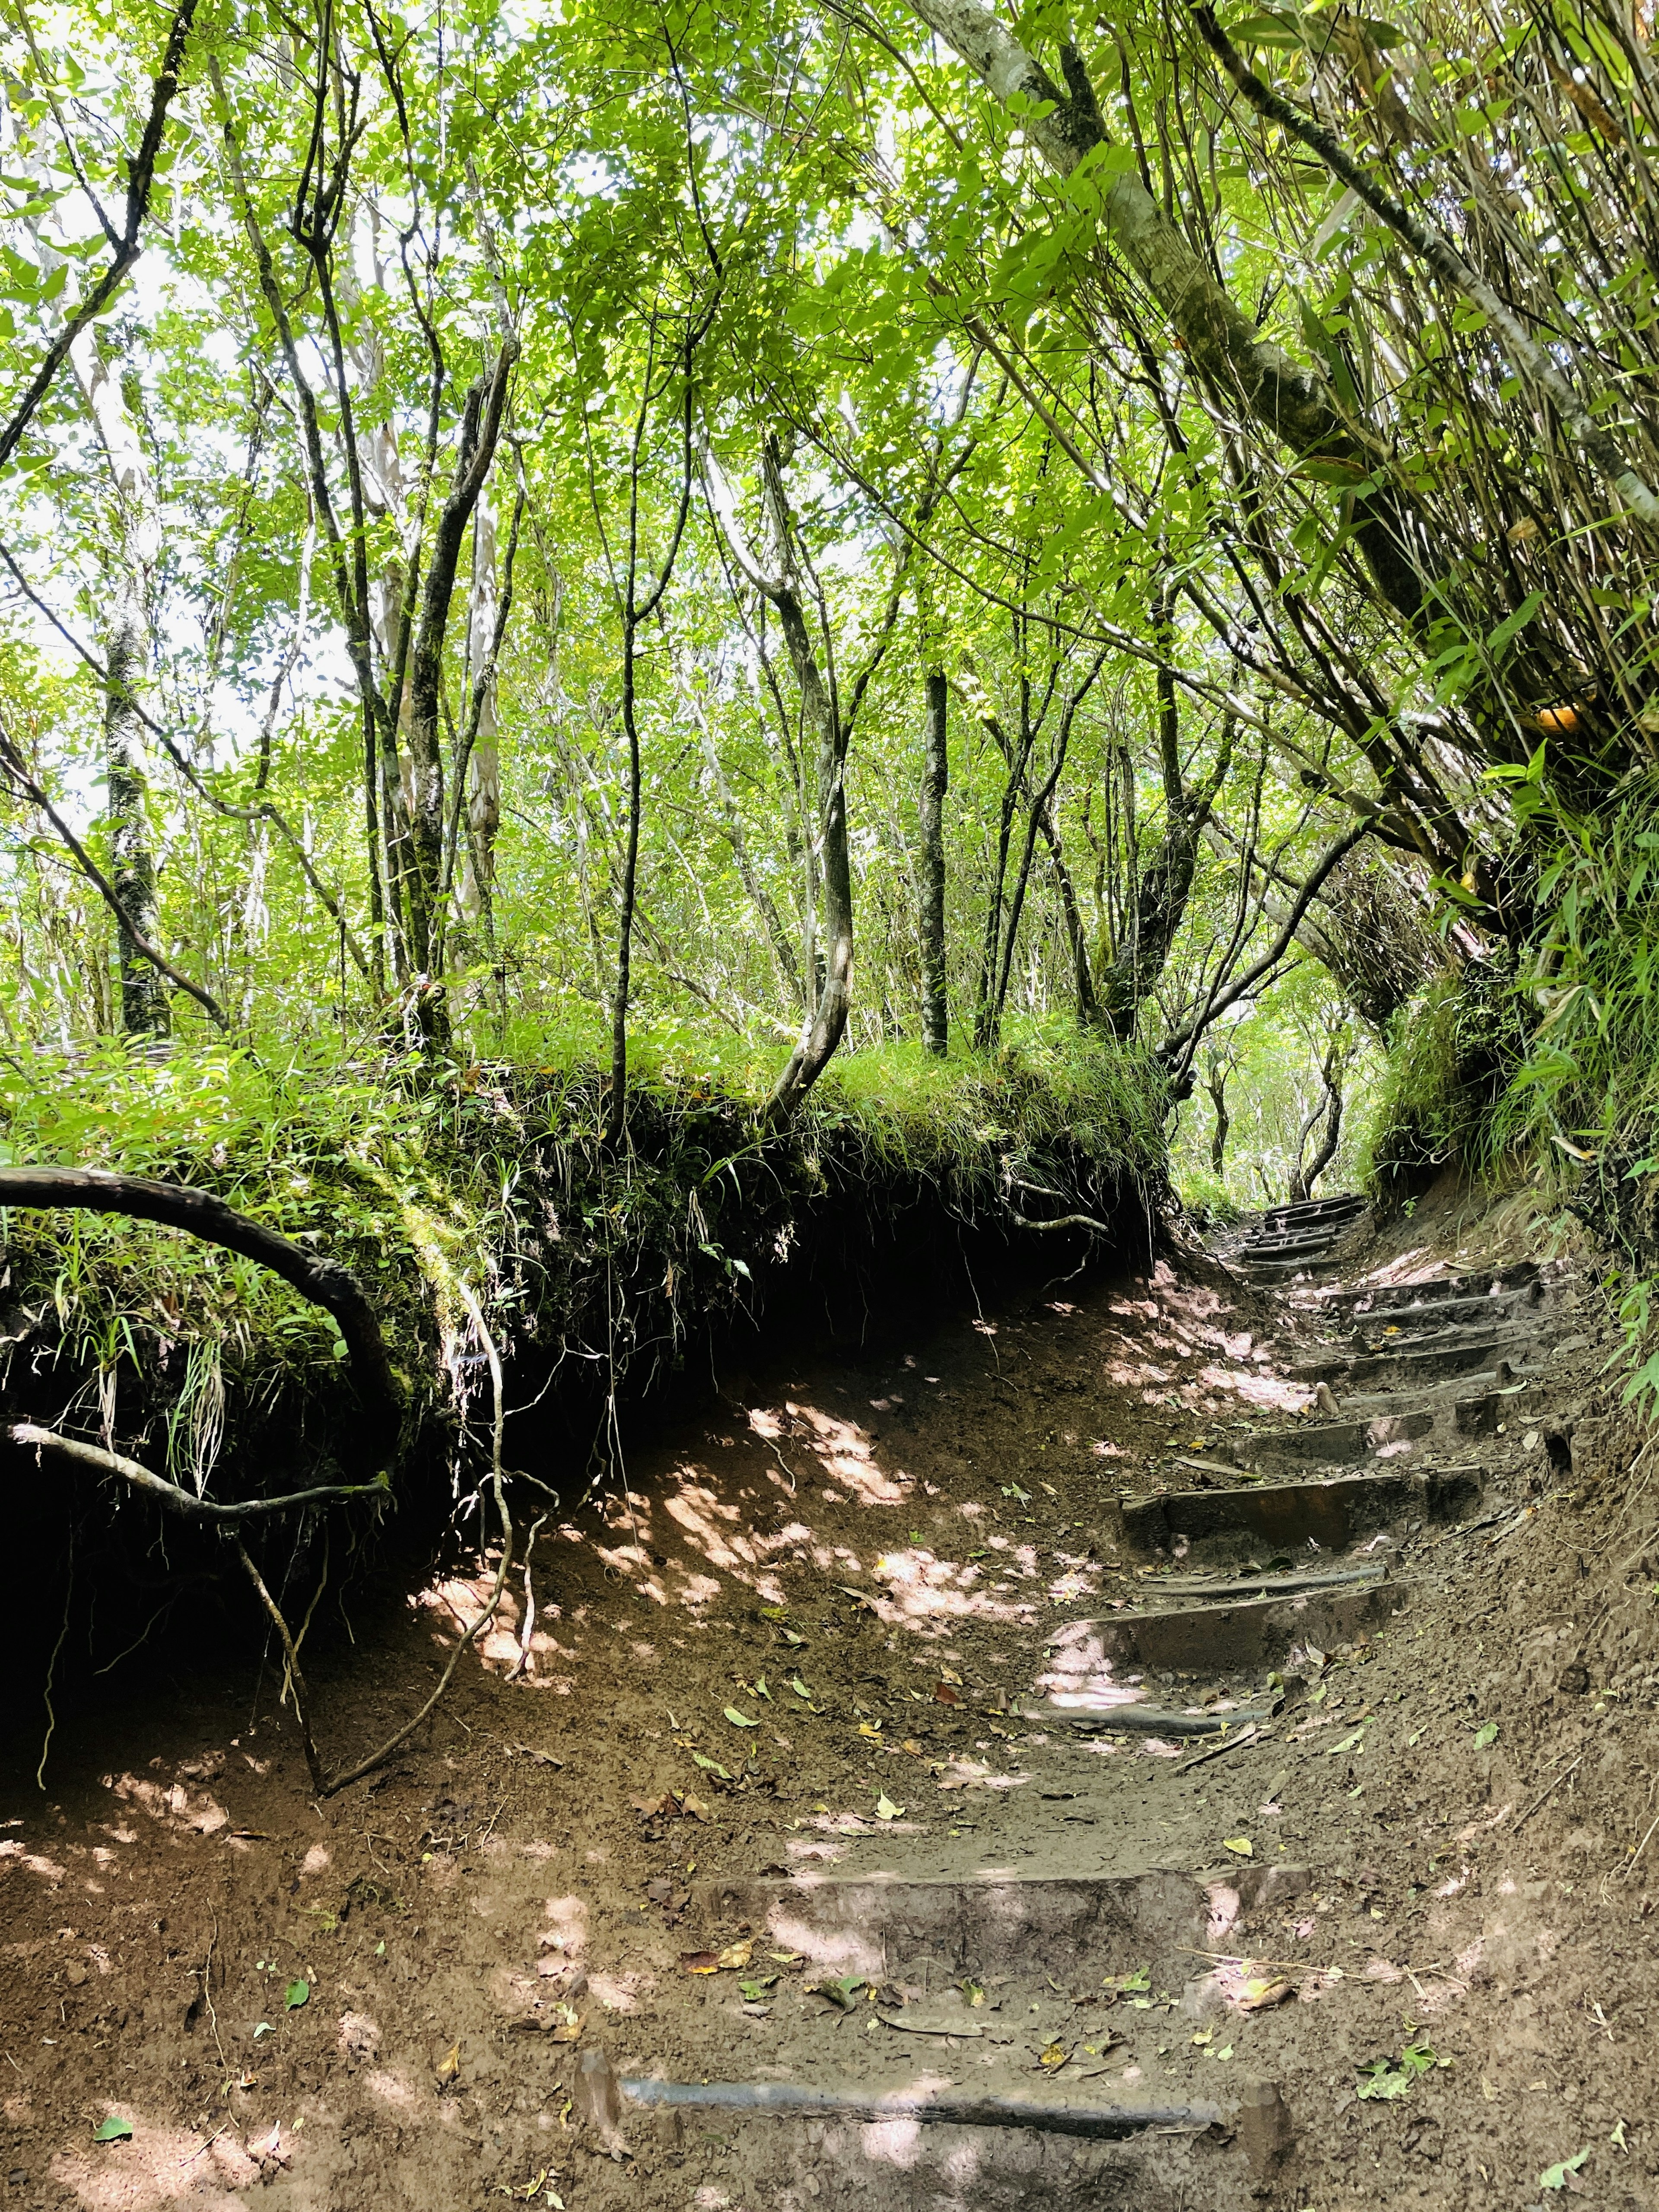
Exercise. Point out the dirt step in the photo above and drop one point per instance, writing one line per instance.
(1443, 1313)
(1268, 1272)
(1335, 1443)
(1315, 1212)
(903, 2152)
(1245, 1634)
(1477, 1402)
(1291, 1248)
(880, 1924)
(1382, 1371)
(1379, 1297)
(1220, 1588)
(1286, 1515)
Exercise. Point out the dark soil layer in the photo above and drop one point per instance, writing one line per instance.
(1448, 1825)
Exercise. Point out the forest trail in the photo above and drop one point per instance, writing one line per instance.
(1135, 1749)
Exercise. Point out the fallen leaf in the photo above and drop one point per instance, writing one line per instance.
(737, 1720)
(713, 1765)
(450, 2064)
(772, 1612)
(887, 1809)
(943, 1694)
(1054, 2055)
(1240, 1846)
(950, 1674)
(869, 1728)
(701, 1962)
(753, 1991)
(295, 1995)
(1485, 1734)
(800, 1688)
(1262, 1995)
(1555, 2176)
(653, 1808)
(843, 1993)
(567, 2024)
(114, 2129)
(737, 1955)
(694, 1807)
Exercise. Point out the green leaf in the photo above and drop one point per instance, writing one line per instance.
(711, 1766)
(739, 1720)
(1511, 628)
(115, 2129)
(1555, 2176)
(1485, 1734)
(295, 1995)
(1267, 31)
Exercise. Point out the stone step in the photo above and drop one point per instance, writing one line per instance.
(1285, 1516)
(1240, 1636)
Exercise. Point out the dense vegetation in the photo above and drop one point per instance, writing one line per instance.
(683, 587)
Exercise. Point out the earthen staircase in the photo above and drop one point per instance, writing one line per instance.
(1280, 1547)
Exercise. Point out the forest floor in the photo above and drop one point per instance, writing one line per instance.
(806, 1643)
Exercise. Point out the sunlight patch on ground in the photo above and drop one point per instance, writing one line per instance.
(159, 2165)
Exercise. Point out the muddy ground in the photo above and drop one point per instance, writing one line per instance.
(801, 1639)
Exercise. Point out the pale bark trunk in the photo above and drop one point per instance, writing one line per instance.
(476, 870)
(776, 575)
(136, 547)
(935, 782)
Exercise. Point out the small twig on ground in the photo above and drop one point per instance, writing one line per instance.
(1640, 1848)
(1247, 1735)
(1548, 1791)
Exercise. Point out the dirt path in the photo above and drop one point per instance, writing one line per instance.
(1164, 1746)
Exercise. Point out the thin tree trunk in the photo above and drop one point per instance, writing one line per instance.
(136, 547)
(483, 806)
(1217, 1086)
(935, 782)
(777, 576)
(480, 432)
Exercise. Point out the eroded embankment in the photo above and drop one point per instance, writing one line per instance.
(485, 1215)
(776, 1799)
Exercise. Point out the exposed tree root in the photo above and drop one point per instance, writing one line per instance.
(326, 1283)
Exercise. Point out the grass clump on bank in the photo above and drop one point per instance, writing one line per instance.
(585, 1265)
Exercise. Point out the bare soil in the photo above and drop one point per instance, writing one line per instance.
(802, 1641)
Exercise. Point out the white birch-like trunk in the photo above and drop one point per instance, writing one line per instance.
(476, 869)
(135, 546)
